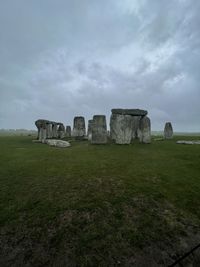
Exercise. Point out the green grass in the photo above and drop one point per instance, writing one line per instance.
(96, 205)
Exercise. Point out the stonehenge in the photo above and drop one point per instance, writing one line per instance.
(99, 130)
(79, 131)
(168, 131)
(125, 126)
(49, 129)
(129, 124)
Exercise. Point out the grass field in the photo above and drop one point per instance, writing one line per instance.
(98, 205)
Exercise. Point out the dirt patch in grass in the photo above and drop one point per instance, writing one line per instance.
(131, 233)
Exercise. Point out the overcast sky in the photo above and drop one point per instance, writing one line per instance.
(63, 58)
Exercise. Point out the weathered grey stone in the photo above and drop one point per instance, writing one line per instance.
(89, 131)
(46, 129)
(133, 112)
(79, 127)
(168, 131)
(57, 143)
(40, 124)
(61, 131)
(99, 130)
(68, 131)
(42, 134)
(144, 132)
(42, 129)
(184, 142)
(135, 126)
(121, 128)
(54, 130)
(49, 130)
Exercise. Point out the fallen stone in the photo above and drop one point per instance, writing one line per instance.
(133, 112)
(57, 143)
(184, 142)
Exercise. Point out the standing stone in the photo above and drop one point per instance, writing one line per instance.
(54, 130)
(89, 131)
(39, 124)
(42, 135)
(168, 131)
(43, 131)
(99, 130)
(136, 121)
(144, 132)
(121, 128)
(68, 131)
(38, 128)
(49, 130)
(79, 127)
(61, 131)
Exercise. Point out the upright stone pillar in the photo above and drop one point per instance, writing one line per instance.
(89, 131)
(136, 121)
(42, 135)
(145, 130)
(49, 130)
(61, 131)
(54, 130)
(68, 131)
(43, 131)
(79, 127)
(121, 128)
(168, 131)
(37, 124)
(99, 130)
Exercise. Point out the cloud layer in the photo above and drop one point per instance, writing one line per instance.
(65, 58)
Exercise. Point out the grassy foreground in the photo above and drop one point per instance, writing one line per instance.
(98, 205)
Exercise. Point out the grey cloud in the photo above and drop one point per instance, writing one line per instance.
(65, 58)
